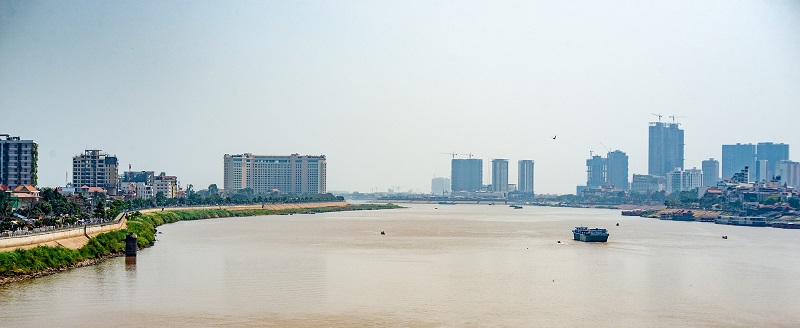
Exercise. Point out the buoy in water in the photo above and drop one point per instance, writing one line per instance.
(618, 224)
(559, 242)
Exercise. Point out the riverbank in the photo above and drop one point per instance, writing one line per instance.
(23, 264)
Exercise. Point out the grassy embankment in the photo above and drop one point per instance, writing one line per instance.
(45, 258)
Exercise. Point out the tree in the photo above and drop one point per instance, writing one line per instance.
(212, 189)
(6, 209)
(794, 202)
(160, 198)
(100, 210)
(43, 207)
(771, 200)
(115, 208)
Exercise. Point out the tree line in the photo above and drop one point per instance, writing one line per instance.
(56, 209)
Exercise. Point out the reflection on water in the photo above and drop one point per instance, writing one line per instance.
(130, 263)
(455, 266)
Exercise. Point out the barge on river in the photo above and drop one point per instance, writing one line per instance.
(582, 233)
(750, 221)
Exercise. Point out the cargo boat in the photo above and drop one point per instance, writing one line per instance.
(750, 221)
(786, 225)
(582, 233)
(681, 215)
(637, 212)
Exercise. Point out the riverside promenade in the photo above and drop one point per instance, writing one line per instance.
(75, 238)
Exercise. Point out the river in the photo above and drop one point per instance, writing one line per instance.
(436, 266)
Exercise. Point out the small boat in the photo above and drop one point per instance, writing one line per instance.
(517, 207)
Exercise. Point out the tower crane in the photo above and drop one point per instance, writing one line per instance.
(604, 146)
(673, 117)
(451, 154)
(659, 116)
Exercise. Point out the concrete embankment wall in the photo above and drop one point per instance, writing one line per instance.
(71, 238)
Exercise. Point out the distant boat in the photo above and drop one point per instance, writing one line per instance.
(517, 207)
(750, 221)
(582, 233)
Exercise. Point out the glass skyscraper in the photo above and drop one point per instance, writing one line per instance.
(500, 175)
(525, 177)
(665, 148)
(466, 174)
(617, 169)
(772, 153)
(736, 157)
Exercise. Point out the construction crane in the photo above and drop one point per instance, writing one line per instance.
(659, 116)
(604, 146)
(673, 117)
(451, 154)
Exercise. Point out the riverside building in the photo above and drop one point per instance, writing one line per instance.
(18, 161)
(96, 169)
(292, 174)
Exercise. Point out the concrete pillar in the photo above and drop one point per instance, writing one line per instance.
(130, 244)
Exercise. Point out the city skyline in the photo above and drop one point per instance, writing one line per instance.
(173, 86)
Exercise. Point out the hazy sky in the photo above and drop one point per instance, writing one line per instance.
(385, 88)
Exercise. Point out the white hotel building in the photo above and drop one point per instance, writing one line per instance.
(293, 174)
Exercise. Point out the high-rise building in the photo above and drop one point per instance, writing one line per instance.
(466, 174)
(788, 173)
(440, 186)
(292, 174)
(736, 157)
(710, 172)
(684, 180)
(525, 176)
(772, 153)
(18, 161)
(741, 176)
(595, 172)
(665, 149)
(645, 183)
(617, 170)
(96, 169)
(166, 184)
(146, 177)
(500, 175)
(761, 172)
